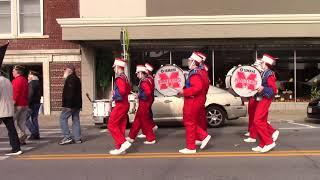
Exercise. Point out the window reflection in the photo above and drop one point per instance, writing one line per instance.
(308, 75)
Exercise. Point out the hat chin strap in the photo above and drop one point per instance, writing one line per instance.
(191, 64)
(116, 69)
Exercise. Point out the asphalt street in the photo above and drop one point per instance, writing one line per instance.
(297, 156)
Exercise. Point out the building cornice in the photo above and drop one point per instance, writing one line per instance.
(191, 20)
(45, 52)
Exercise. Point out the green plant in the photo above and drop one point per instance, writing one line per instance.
(104, 72)
(315, 93)
(126, 53)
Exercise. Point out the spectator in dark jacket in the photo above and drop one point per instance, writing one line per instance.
(34, 105)
(20, 100)
(71, 105)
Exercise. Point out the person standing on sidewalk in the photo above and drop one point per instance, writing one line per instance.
(6, 114)
(71, 106)
(20, 100)
(143, 118)
(267, 91)
(193, 103)
(34, 105)
(119, 114)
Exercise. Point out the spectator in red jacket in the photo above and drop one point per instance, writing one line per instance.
(20, 99)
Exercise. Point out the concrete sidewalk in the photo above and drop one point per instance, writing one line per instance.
(274, 116)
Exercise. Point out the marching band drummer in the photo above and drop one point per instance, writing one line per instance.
(150, 68)
(203, 70)
(266, 91)
(118, 117)
(142, 118)
(252, 104)
(192, 104)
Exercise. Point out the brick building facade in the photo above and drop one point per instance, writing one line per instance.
(45, 51)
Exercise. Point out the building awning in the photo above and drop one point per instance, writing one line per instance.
(195, 27)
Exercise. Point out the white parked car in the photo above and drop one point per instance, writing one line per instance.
(220, 106)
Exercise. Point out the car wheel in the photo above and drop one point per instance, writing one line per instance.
(216, 116)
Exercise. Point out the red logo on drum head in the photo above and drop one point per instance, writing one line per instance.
(249, 82)
(166, 81)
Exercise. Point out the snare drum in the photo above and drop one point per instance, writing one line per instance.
(244, 80)
(169, 80)
(101, 108)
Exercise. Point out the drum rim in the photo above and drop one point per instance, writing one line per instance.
(180, 69)
(242, 67)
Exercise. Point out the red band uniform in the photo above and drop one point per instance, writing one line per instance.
(119, 117)
(267, 93)
(151, 79)
(252, 106)
(142, 118)
(206, 83)
(193, 102)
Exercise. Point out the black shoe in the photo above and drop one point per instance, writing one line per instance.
(34, 137)
(14, 153)
(66, 141)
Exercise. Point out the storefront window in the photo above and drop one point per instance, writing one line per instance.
(308, 74)
(155, 58)
(284, 70)
(224, 60)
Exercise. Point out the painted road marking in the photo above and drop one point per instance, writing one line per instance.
(300, 124)
(33, 142)
(169, 155)
(3, 157)
(9, 148)
(300, 128)
(103, 130)
(304, 126)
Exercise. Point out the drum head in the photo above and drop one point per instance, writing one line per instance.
(169, 80)
(228, 77)
(245, 80)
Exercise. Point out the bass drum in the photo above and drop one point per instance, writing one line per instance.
(169, 80)
(244, 80)
(228, 81)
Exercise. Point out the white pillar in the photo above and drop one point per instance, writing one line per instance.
(46, 85)
(87, 78)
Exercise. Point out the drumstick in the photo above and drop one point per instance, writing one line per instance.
(112, 82)
(111, 87)
(173, 89)
(176, 91)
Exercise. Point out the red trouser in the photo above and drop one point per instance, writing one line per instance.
(202, 121)
(252, 106)
(117, 123)
(260, 122)
(143, 121)
(191, 110)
